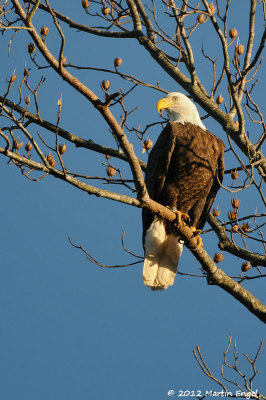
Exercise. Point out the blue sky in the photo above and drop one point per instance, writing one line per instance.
(70, 329)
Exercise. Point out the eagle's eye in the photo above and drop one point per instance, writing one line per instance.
(175, 98)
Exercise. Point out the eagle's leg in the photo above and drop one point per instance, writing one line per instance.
(196, 233)
(179, 216)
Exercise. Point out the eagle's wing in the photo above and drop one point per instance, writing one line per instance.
(215, 187)
(157, 167)
(162, 250)
(159, 161)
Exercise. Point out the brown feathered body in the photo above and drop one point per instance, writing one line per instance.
(184, 171)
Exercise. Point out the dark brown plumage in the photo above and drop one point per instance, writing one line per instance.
(184, 169)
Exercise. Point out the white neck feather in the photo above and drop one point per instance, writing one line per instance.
(184, 110)
(183, 118)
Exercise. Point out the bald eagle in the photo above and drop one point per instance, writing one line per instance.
(184, 172)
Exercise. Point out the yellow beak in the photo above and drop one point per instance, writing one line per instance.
(162, 104)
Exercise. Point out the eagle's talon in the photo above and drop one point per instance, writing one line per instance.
(185, 217)
(179, 216)
(199, 242)
(196, 233)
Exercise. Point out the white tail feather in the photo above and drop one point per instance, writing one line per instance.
(150, 269)
(162, 252)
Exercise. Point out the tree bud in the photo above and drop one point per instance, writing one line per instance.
(110, 171)
(232, 215)
(219, 99)
(105, 10)
(200, 19)
(117, 62)
(239, 49)
(218, 257)
(31, 48)
(13, 78)
(27, 100)
(52, 163)
(235, 228)
(17, 145)
(212, 8)
(215, 212)
(51, 160)
(62, 148)
(105, 85)
(26, 71)
(59, 101)
(234, 174)
(246, 227)
(147, 145)
(44, 30)
(28, 147)
(235, 203)
(233, 33)
(245, 266)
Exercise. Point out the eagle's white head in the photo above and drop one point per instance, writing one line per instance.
(180, 109)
